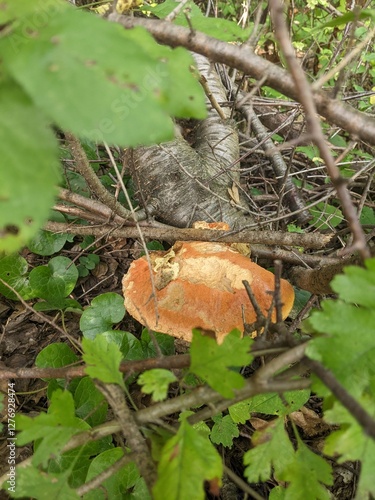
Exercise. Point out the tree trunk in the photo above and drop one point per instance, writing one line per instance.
(178, 183)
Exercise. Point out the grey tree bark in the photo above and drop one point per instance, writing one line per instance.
(178, 183)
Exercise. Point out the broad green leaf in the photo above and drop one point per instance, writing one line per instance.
(307, 468)
(222, 29)
(54, 281)
(325, 216)
(90, 403)
(269, 404)
(272, 451)
(124, 484)
(156, 382)
(30, 170)
(59, 305)
(78, 461)
(11, 11)
(13, 270)
(165, 342)
(187, 460)
(55, 356)
(213, 362)
(106, 310)
(32, 482)
(121, 94)
(87, 263)
(47, 243)
(54, 429)
(367, 216)
(103, 360)
(224, 430)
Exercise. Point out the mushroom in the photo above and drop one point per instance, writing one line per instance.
(199, 285)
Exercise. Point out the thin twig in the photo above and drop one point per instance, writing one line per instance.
(356, 123)
(351, 404)
(169, 233)
(306, 97)
(129, 428)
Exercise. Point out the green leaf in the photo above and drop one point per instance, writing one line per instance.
(47, 243)
(269, 404)
(222, 29)
(224, 430)
(32, 482)
(325, 216)
(351, 443)
(212, 362)
(55, 356)
(13, 270)
(367, 216)
(272, 451)
(106, 310)
(307, 468)
(90, 403)
(348, 346)
(87, 263)
(61, 51)
(156, 382)
(165, 342)
(103, 359)
(28, 149)
(357, 285)
(124, 484)
(54, 428)
(77, 462)
(187, 460)
(55, 281)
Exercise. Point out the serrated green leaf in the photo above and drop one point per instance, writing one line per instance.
(307, 468)
(55, 356)
(348, 346)
(272, 450)
(357, 285)
(223, 29)
(103, 360)
(269, 404)
(61, 51)
(28, 149)
(325, 216)
(187, 460)
(156, 382)
(54, 428)
(224, 430)
(350, 442)
(212, 362)
(32, 482)
(105, 310)
(47, 243)
(90, 403)
(13, 270)
(55, 281)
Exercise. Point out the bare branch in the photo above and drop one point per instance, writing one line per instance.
(355, 122)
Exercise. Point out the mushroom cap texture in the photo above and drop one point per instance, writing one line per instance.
(199, 285)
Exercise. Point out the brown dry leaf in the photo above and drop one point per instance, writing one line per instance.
(259, 424)
(309, 421)
(234, 194)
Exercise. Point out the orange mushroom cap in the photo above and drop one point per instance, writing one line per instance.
(199, 285)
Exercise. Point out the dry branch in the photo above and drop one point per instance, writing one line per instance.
(358, 124)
